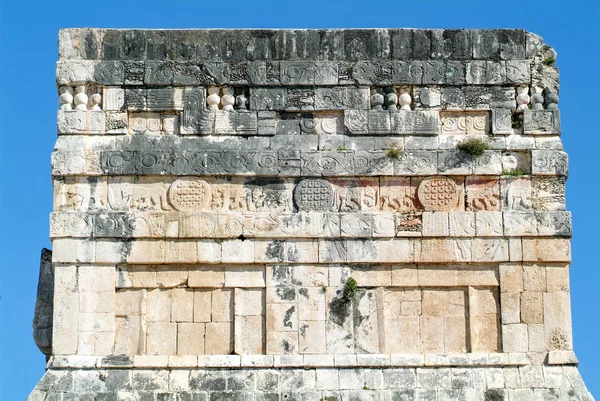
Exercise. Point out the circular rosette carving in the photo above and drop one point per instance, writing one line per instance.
(383, 225)
(188, 194)
(267, 161)
(356, 225)
(361, 163)
(450, 124)
(329, 125)
(554, 162)
(308, 126)
(153, 124)
(236, 162)
(150, 160)
(179, 162)
(477, 123)
(438, 194)
(328, 164)
(138, 125)
(116, 159)
(313, 195)
(169, 124)
(79, 224)
(114, 224)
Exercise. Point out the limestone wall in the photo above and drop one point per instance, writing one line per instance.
(233, 205)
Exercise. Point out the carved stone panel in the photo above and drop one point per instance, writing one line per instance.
(189, 194)
(483, 194)
(548, 193)
(549, 162)
(269, 195)
(313, 195)
(440, 194)
(397, 194)
(355, 195)
(541, 122)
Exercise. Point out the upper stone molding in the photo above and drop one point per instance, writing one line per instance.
(297, 44)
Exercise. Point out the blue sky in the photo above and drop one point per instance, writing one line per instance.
(28, 104)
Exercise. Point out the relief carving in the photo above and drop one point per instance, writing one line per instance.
(189, 194)
(124, 194)
(483, 194)
(439, 194)
(270, 195)
(409, 223)
(313, 195)
(228, 197)
(397, 195)
(465, 123)
(356, 195)
(74, 193)
(548, 193)
(516, 193)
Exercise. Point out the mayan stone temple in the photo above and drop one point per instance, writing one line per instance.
(307, 215)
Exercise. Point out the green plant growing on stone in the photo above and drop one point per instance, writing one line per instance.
(474, 147)
(515, 172)
(393, 152)
(365, 387)
(550, 61)
(324, 288)
(341, 148)
(350, 288)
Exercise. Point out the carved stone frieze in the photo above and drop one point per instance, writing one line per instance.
(285, 214)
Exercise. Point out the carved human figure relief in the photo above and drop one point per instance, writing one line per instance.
(120, 192)
(69, 197)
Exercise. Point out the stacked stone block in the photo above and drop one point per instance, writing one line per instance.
(285, 214)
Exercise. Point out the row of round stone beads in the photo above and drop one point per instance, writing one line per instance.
(78, 97)
(225, 97)
(391, 100)
(541, 98)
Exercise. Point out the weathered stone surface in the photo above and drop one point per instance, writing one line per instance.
(42, 321)
(284, 214)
